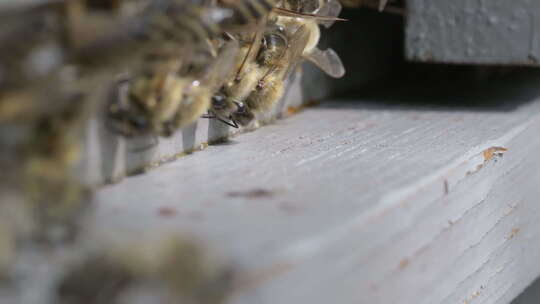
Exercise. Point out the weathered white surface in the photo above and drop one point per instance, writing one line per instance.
(359, 203)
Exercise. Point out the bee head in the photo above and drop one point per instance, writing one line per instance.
(274, 43)
(242, 115)
(240, 107)
(219, 102)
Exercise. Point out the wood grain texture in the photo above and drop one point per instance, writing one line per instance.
(359, 203)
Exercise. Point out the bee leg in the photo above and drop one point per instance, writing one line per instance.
(114, 128)
(233, 124)
(229, 36)
(214, 116)
(211, 48)
(209, 116)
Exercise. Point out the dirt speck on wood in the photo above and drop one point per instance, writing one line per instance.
(252, 194)
(167, 211)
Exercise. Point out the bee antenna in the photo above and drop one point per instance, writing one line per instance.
(229, 36)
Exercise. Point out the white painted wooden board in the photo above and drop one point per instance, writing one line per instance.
(359, 203)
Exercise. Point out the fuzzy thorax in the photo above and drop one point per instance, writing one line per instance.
(264, 98)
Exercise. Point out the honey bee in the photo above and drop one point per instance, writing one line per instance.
(280, 54)
(265, 60)
(288, 37)
(227, 105)
(170, 97)
(171, 94)
(172, 269)
(326, 60)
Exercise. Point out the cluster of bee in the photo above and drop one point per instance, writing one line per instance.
(177, 60)
(52, 57)
(229, 72)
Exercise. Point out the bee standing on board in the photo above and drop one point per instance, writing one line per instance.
(247, 17)
(280, 53)
(287, 38)
(227, 105)
(171, 94)
(170, 97)
(229, 100)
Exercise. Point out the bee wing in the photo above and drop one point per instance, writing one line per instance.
(252, 51)
(328, 61)
(321, 18)
(331, 8)
(297, 44)
(222, 67)
(382, 5)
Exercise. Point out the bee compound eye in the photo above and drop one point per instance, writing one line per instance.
(218, 101)
(139, 122)
(246, 118)
(240, 106)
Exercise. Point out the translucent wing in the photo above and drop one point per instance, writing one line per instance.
(222, 67)
(382, 4)
(331, 8)
(295, 47)
(321, 18)
(297, 43)
(328, 61)
(252, 51)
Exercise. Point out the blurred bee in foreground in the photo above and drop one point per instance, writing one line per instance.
(41, 129)
(172, 270)
(15, 225)
(49, 179)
